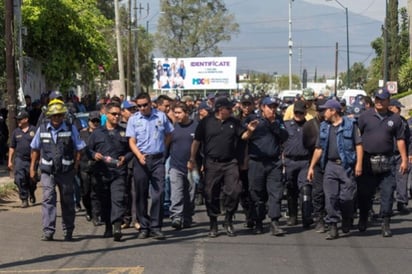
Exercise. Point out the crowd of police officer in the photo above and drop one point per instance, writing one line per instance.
(318, 154)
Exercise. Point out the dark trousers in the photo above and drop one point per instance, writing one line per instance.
(295, 176)
(151, 174)
(22, 178)
(265, 184)
(401, 183)
(86, 190)
(222, 178)
(340, 189)
(318, 195)
(367, 185)
(110, 192)
(245, 199)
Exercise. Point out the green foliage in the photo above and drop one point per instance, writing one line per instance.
(359, 76)
(190, 28)
(405, 76)
(65, 36)
(283, 82)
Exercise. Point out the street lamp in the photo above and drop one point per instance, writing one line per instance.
(290, 44)
(347, 43)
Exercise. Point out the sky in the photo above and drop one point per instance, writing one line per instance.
(371, 8)
(262, 44)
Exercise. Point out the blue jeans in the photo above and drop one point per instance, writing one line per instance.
(182, 196)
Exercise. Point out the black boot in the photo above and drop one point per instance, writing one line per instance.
(117, 231)
(108, 232)
(333, 232)
(346, 225)
(402, 208)
(386, 230)
(230, 231)
(307, 207)
(292, 211)
(363, 222)
(258, 228)
(275, 228)
(213, 227)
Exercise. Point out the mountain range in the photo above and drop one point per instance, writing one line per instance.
(262, 43)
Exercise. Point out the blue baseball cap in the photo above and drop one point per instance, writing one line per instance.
(383, 94)
(396, 103)
(204, 105)
(128, 104)
(269, 101)
(331, 103)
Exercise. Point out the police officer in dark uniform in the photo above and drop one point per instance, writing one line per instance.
(219, 133)
(109, 147)
(379, 127)
(246, 109)
(339, 148)
(59, 146)
(296, 162)
(401, 179)
(310, 134)
(87, 179)
(19, 158)
(265, 165)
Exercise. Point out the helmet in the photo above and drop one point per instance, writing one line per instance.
(56, 106)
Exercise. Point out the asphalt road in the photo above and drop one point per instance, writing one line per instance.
(191, 251)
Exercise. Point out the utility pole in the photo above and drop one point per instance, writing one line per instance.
(129, 50)
(10, 65)
(385, 46)
(138, 9)
(119, 47)
(336, 69)
(290, 44)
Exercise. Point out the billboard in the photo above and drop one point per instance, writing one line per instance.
(195, 73)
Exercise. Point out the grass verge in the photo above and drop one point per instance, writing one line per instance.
(7, 189)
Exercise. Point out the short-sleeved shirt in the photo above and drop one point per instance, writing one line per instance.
(182, 138)
(220, 138)
(149, 131)
(79, 144)
(379, 131)
(20, 142)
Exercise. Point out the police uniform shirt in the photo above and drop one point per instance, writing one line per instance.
(21, 140)
(149, 131)
(266, 139)
(378, 131)
(220, 138)
(293, 146)
(110, 143)
(79, 144)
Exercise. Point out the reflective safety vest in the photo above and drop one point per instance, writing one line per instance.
(345, 142)
(56, 157)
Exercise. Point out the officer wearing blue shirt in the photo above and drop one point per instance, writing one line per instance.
(339, 149)
(59, 146)
(149, 130)
(379, 128)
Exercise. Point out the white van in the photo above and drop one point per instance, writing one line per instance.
(350, 94)
(289, 95)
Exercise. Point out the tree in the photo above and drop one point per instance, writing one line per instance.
(359, 75)
(283, 82)
(190, 28)
(64, 35)
(392, 29)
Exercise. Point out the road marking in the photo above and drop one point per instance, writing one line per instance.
(113, 270)
(199, 259)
